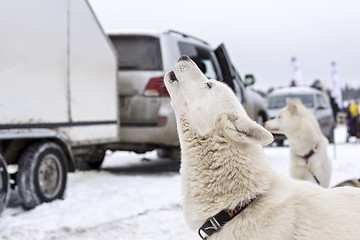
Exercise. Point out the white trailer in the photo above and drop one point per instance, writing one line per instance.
(58, 100)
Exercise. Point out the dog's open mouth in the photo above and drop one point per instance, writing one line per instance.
(172, 77)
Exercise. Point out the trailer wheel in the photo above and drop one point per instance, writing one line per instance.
(4, 184)
(42, 174)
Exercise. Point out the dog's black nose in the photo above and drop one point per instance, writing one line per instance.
(184, 58)
(172, 76)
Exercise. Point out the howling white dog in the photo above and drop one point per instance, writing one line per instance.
(230, 190)
(308, 146)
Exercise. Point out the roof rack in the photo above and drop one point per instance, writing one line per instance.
(186, 36)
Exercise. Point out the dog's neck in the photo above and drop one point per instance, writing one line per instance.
(305, 139)
(217, 175)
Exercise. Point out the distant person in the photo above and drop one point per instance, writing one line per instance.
(334, 107)
(293, 83)
(317, 84)
(354, 109)
(352, 119)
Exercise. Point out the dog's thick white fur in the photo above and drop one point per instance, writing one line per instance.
(304, 135)
(223, 164)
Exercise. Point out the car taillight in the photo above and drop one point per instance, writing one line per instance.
(156, 88)
(162, 121)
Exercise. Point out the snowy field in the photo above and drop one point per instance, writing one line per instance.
(128, 200)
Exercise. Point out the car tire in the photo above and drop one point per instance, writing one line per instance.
(4, 184)
(279, 143)
(95, 165)
(173, 153)
(93, 161)
(162, 152)
(42, 174)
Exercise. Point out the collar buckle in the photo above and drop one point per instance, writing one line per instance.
(217, 222)
(201, 233)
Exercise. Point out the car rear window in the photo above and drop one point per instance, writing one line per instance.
(138, 52)
(201, 56)
(275, 102)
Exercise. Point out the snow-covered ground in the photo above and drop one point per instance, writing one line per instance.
(118, 203)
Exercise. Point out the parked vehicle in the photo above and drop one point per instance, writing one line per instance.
(145, 113)
(63, 102)
(314, 100)
(58, 102)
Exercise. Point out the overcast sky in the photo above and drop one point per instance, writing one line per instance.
(260, 36)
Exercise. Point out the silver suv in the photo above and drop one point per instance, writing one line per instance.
(314, 100)
(146, 118)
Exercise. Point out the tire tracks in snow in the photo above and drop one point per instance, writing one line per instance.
(130, 227)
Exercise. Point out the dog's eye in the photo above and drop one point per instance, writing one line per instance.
(209, 84)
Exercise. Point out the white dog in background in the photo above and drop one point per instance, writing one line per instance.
(308, 146)
(229, 188)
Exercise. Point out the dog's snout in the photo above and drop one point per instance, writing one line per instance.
(184, 58)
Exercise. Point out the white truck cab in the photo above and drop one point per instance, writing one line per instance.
(58, 100)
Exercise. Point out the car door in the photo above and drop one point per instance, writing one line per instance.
(229, 75)
(202, 56)
(323, 113)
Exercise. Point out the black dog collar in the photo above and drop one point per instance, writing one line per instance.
(217, 222)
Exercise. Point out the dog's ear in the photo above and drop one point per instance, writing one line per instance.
(291, 106)
(240, 128)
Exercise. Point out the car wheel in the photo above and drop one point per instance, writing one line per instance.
(279, 143)
(42, 174)
(173, 153)
(162, 152)
(96, 165)
(92, 161)
(4, 184)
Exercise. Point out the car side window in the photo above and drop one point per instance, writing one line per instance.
(322, 101)
(201, 56)
(138, 52)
